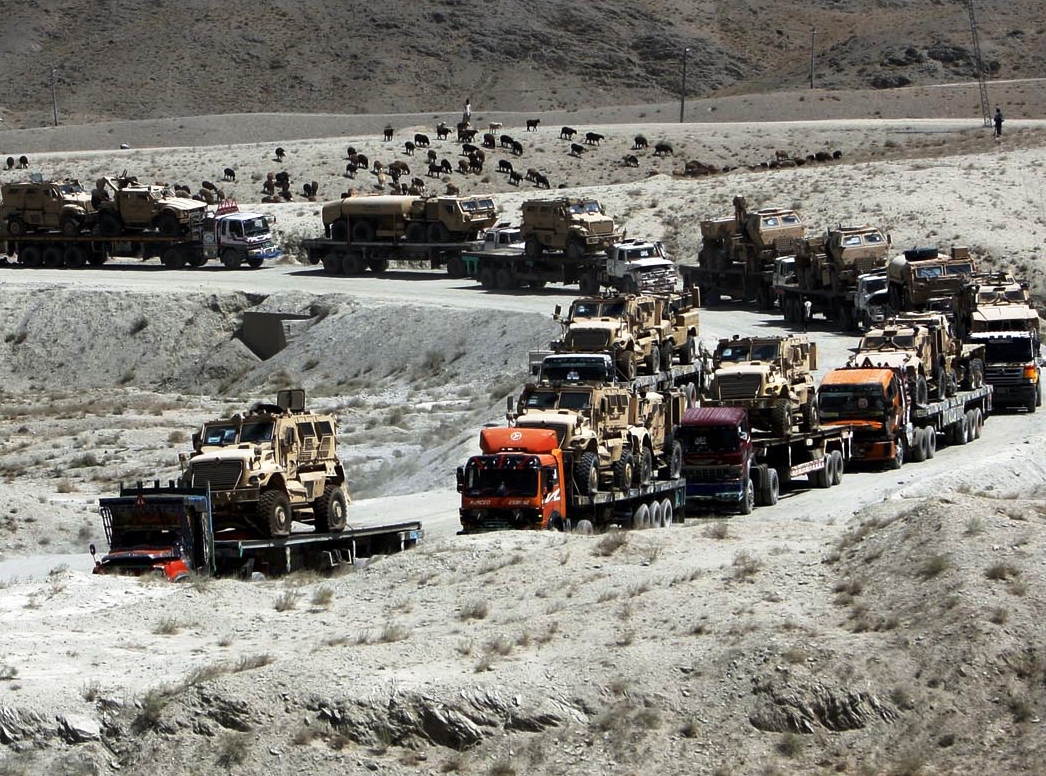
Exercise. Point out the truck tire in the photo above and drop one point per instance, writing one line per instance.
(352, 264)
(770, 488)
(97, 259)
(167, 224)
(919, 446)
(688, 352)
(362, 231)
(253, 261)
(667, 513)
(75, 256)
(961, 434)
(377, 266)
(810, 418)
(626, 364)
(1034, 401)
(588, 283)
(898, 457)
(978, 422)
(329, 510)
(971, 425)
(52, 256)
(654, 508)
(821, 478)
(503, 279)
(438, 233)
(575, 249)
(931, 442)
(29, 255)
(456, 267)
(340, 230)
(764, 298)
(624, 471)
(747, 503)
(232, 258)
(274, 510)
(174, 258)
(487, 278)
(653, 360)
(667, 352)
(840, 466)
(674, 456)
(109, 224)
(781, 418)
(586, 474)
(641, 517)
(584, 527)
(416, 232)
(15, 226)
(332, 264)
(70, 226)
(532, 247)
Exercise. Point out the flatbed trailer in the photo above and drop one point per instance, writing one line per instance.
(730, 467)
(737, 282)
(339, 257)
(52, 249)
(835, 306)
(507, 269)
(169, 530)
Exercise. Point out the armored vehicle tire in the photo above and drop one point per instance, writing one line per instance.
(653, 359)
(667, 351)
(487, 278)
(330, 510)
(167, 224)
(109, 224)
(377, 266)
(70, 226)
(232, 258)
(340, 230)
(588, 284)
(362, 231)
(532, 246)
(626, 364)
(840, 465)
(898, 457)
(415, 232)
(456, 267)
(503, 279)
(646, 466)
(75, 256)
(688, 352)
(586, 474)
(810, 417)
(274, 510)
(438, 232)
(747, 503)
(575, 249)
(667, 513)
(29, 255)
(674, 454)
(624, 471)
(919, 391)
(781, 418)
(641, 517)
(15, 226)
(919, 446)
(52, 256)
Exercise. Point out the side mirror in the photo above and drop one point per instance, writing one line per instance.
(461, 479)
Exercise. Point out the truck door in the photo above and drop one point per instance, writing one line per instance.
(33, 210)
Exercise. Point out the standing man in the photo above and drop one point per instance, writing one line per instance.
(998, 122)
(466, 115)
(807, 313)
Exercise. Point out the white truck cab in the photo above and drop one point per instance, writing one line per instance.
(237, 238)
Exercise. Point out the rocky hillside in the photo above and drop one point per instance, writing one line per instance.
(123, 60)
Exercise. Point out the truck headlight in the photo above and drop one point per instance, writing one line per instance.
(1031, 372)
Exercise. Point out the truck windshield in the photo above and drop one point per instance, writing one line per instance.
(1013, 350)
(576, 371)
(550, 400)
(220, 434)
(502, 475)
(260, 431)
(71, 188)
(851, 401)
(255, 227)
(880, 341)
(709, 439)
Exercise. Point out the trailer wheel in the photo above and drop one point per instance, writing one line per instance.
(503, 279)
(97, 259)
(978, 422)
(487, 279)
(667, 513)
(415, 232)
(331, 264)
(655, 514)
(931, 442)
(75, 256)
(646, 466)
(838, 466)
(377, 266)
(971, 422)
(624, 471)
(586, 473)
(536, 284)
(29, 255)
(352, 264)
(52, 256)
(961, 432)
(748, 500)
(770, 487)
(822, 478)
(456, 267)
(174, 258)
(232, 258)
(919, 446)
(274, 509)
(584, 527)
(641, 517)
(329, 510)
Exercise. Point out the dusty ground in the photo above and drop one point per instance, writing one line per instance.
(891, 625)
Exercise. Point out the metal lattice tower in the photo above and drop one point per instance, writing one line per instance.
(982, 80)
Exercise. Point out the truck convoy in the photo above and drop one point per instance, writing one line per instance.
(268, 467)
(368, 232)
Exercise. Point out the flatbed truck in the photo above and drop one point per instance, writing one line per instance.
(730, 467)
(169, 531)
(889, 427)
(522, 479)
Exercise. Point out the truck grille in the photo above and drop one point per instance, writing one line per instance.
(729, 386)
(219, 475)
(867, 264)
(589, 341)
(1004, 375)
(706, 473)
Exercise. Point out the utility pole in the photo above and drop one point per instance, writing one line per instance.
(54, 98)
(813, 37)
(682, 87)
(982, 81)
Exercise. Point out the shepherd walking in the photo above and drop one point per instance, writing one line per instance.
(998, 122)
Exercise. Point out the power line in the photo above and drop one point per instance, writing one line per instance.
(982, 80)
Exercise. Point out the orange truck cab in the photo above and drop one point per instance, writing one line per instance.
(872, 401)
(516, 482)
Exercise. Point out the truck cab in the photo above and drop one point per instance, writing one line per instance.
(640, 266)
(871, 299)
(1012, 366)
(717, 456)
(237, 238)
(873, 401)
(503, 238)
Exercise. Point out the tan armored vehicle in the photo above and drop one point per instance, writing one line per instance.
(578, 226)
(923, 278)
(45, 206)
(923, 347)
(124, 205)
(275, 464)
(837, 259)
(614, 437)
(995, 302)
(386, 218)
(631, 328)
(770, 377)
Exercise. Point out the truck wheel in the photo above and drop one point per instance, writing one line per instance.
(810, 418)
(626, 364)
(254, 261)
(667, 513)
(674, 454)
(29, 255)
(771, 488)
(641, 517)
(456, 267)
(654, 508)
(362, 231)
(536, 284)
(1035, 401)
(75, 256)
(503, 279)
(978, 422)
(688, 352)
(586, 474)
(52, 256)
(781, 418)
(898, 457)
(487, 278)
(340, 230)
(167, 224)
(653, 359)
(1038, 394)
(747, 500)
(377, 266)
(416, 232)
(971, 425)
(70, 227)
(274, 509)
(822, 478)
(624, 471)
(667, 352)
(838, 466)
(532, 246)
(575, 249)
(232, 258)
(97, 259)
(352, 264)
(961, 435)
(588, 284)
(173, 258)
(438, 233)
(646, 466)
(15, 226)
(931, 442)
(330, 509)
(331, 264)
(919, 446)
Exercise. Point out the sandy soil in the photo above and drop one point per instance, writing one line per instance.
(891, 625)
